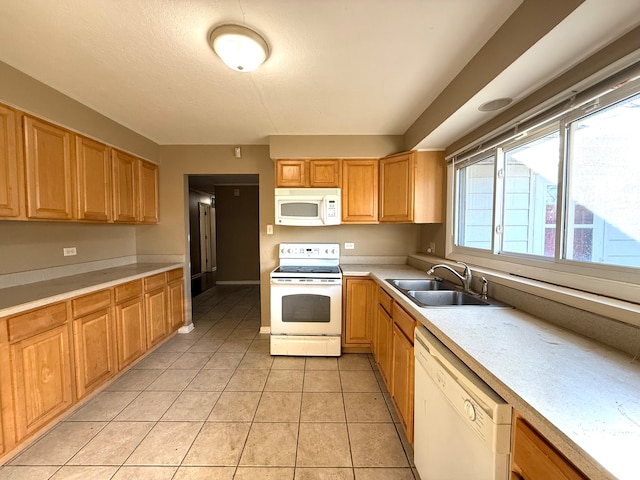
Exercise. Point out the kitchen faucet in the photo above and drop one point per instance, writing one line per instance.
(465, 278)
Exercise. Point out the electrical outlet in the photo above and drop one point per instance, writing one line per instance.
(349, 246)
(432, 247)
(69, 251)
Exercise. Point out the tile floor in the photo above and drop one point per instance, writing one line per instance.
(213, 404)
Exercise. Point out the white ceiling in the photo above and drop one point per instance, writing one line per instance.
(348, 67)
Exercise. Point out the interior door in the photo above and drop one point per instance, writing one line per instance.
(207, 237)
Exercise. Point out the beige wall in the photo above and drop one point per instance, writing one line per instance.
(31, 96)
(28, 246)
(334, 146)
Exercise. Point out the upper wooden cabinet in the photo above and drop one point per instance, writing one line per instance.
(308, 173)
(125, 187)
(411, 187)
(148, 192)
(93, 180)
(360, 191)
(48, 166)
(11, 183)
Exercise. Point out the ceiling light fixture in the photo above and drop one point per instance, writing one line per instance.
(240, 48)
(494, 105)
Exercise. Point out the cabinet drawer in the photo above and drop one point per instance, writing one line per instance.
(534, 457)
(154, 281)
(405, 322)
(128, 290)
(36, 321)
(173, 275)
(385, 300)
(90, 303)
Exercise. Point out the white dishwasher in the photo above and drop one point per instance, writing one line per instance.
(462, 428)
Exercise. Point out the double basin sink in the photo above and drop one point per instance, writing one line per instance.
(429, 292)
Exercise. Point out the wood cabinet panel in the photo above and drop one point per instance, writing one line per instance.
(94, 346)
(127, 290)
(383, 341)
(148, 192)
(403, 320)
(11, 173)
(155, 303)
(93, 180)
(412, 187)
(175, 310)
(385, 300)
(402, 379)
(175, 274)
(48, 170)
(130, 331)
(291, 173)
(153, 282)
(90, 303)
(36, 321)
(126, 202)
(357, 328)
(359, 191)
(534, 458)
(324, 173)
(42, 379)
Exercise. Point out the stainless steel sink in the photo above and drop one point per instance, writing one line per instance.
(442, 298)
(422, 284)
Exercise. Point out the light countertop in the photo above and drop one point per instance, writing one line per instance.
(25, 297)
(582, 395)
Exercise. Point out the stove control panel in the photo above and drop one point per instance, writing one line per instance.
(310, 250)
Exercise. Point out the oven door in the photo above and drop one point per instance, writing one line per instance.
(306, 307)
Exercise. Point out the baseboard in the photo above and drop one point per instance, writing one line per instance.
(265, 330)
(186, 328)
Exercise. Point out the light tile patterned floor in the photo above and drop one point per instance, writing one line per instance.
(213, 404)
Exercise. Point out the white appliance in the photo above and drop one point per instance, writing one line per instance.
(462, 428)
(306, 300)
(307, 206)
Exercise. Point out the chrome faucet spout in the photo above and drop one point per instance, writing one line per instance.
(465, 278)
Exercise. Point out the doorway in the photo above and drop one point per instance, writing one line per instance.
(223, 231)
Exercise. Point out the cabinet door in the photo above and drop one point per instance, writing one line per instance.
(155, 315)
(11, 185)
(94, 344)
(42, 379)
(125, 187)
(358, 316)
(176, 305)
(402, 379)
(148, 192)
(48, 166)
(324, 173)
(291, 173)
(384, 343)
(360, 191)
(93, 185)
(396, 188)
(130, 331)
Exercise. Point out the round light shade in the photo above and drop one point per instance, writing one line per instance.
(239, 48)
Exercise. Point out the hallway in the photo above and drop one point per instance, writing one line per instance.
(213, 404)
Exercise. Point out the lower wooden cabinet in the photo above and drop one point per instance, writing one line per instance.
(130, 331)
(534, 458)
(94, 345)
(175, 310)
(357, 327)
(383, 341)
(155, 303)
(52, 356)
(402, 379)
(42, 379)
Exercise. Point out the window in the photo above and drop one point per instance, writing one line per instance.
(564, 195)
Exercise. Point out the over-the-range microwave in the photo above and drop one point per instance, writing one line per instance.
(307, 206)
